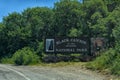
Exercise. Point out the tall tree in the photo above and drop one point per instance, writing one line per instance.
(94, 12)
(15, 32)
(115, 21)
(67, 16)
(39, 19)
(3, 40)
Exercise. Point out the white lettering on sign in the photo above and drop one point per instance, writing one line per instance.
(71, 40)
(62, 41)
(65, 50)
(82, 50)
(71, 45)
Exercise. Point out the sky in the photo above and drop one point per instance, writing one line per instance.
(9, 6)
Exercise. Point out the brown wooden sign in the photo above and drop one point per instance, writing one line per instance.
(67, 44)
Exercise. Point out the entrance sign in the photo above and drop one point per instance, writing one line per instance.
(67, 45)
(71, 44)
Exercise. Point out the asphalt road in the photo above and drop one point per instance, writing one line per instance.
(9, 72)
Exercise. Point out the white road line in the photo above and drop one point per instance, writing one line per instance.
(21, 74)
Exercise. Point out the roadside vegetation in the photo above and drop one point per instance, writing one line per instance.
(22, 34)
(108, 62)
(25, 56)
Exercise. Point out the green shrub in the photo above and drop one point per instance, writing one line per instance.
(25, 56)
(110, 60)
(104, 61)
(115, 67)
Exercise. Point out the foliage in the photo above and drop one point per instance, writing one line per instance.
(67, 16)
(7, 60)
(104, 61)
(74, 33)
(92, 18)
(109, 60)
(116, 22)
(94, 13)
(39, 19)
(3, 40)
(25, 56)
(25, 29)
(115, 67)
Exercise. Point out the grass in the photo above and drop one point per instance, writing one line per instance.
(7, 61)
(62, 64)
(108, 62)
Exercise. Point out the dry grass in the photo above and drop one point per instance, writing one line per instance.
(62, 64)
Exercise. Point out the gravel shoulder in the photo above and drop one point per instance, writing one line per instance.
(51, 73)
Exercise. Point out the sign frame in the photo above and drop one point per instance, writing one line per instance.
(69, 44)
